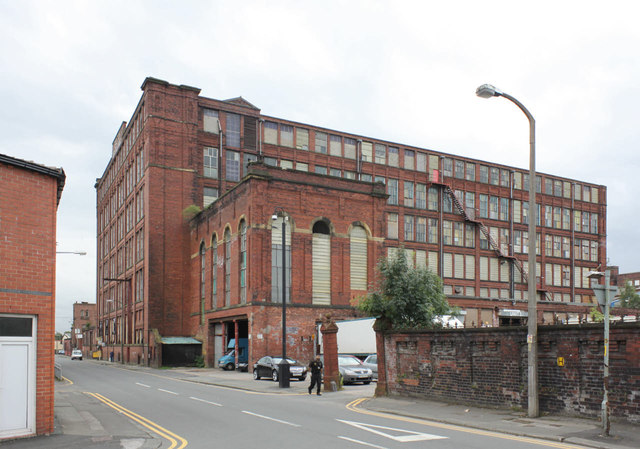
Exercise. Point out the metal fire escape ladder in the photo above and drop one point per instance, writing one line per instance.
(485, 231)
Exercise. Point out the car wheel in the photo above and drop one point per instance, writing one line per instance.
(302, 378)
(256, 376)
(366, 382)
(229, 367)
(274, 375)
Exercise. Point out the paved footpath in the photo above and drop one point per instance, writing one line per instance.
(82, 423)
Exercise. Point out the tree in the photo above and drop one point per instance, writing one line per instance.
(629, 298)
(406, 297)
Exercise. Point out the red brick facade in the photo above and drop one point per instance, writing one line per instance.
(84, 327)
(29, 195)
(305, 203)
(489, 367)
(465, 219)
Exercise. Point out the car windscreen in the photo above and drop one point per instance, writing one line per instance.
(277, 360)
(348, 360)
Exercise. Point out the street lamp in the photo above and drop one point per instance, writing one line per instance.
(604, 299)
(488, 91)
(79, 253)
(284, 381)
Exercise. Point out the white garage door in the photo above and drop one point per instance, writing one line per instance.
(17, 375)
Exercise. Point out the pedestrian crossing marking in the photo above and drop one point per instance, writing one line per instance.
(408, 435)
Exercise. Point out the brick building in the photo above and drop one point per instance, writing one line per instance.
(620, 279)
(84, 327)
(465, 219)
(29, 197)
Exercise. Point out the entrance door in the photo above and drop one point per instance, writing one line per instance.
(218, 348)
(17, 376)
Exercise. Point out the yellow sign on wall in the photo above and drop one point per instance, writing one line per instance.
(560, 361)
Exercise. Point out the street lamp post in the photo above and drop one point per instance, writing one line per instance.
(109, 333)
(283, 378)
(603, 294)
(488, 91)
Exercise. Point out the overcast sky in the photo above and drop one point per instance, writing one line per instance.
(401, 71)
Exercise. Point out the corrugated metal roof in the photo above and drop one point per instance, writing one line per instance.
(180, 341)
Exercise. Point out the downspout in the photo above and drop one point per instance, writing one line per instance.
(260, 122)
(511, 252)
(572, 245)
(359, 157)
(219, 158)
(441, 267)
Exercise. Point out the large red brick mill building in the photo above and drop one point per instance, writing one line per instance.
(189, 255)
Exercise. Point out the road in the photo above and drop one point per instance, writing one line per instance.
(183, 414)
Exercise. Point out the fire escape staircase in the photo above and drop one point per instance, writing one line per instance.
(470, 217)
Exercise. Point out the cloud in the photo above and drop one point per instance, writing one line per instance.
(403, 71)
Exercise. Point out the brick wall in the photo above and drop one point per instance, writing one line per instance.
(306, 198)
(28, 202)
(488, 367)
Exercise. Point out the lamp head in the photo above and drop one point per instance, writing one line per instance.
(487, 91)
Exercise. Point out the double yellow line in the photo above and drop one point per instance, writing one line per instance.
(177, 442)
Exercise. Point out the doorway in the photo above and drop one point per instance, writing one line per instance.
(17, 375)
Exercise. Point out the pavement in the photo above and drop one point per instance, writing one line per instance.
(83, 422)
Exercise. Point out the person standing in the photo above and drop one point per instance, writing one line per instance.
(316, 375)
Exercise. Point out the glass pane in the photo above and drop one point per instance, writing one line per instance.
(15, 327)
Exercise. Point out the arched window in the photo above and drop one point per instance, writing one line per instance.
(243, 262)
(321, 262)
(276, 259)
(202, 280)
(214, 271)
(358, 256)
(227, 267)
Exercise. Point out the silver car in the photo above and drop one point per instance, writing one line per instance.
(352, 370)
(371, 362)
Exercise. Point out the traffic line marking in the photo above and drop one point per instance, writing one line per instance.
(167, 434)
(67, 380)
(206, 402)
(143, 385)
(364, 443)
(271, 419)
(167, 391)
(353, 406)
(409, 434)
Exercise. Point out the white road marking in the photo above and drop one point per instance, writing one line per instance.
(412, 436)
(207, 402)
(363, 443)
(167, 391)
(271, 419)
(143, 385)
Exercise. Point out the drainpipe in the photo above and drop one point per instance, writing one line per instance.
(441, 267)
(219, 158)
(260, 124)
(359, 157)
(511, 253)
(572, 245)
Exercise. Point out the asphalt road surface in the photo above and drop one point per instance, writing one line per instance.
(186, 414)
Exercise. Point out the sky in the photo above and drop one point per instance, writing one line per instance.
(403, 71)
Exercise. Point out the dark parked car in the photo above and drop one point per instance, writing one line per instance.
(371, 362)
(267, 366)
(352, 370)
